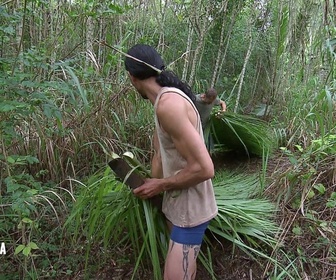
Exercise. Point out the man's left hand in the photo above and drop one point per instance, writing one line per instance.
(150, 188)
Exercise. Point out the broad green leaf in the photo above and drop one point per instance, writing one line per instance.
(10, 159)
(32, 245)
(8, 29)
(26, 251)
(19, 248)
(320, 187)
(27, 221)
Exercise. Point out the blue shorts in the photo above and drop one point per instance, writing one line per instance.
(189, 235)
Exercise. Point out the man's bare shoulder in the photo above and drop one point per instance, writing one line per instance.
(171, 102)
(171, 96)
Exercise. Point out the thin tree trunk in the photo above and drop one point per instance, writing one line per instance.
(207, 20)
(55, 27)
(242, 76)
(120, 36)
(187, 53)
(196, 58)
(220, 53)
(101, 38)
(20, 29)
(89, 39)
(161, 23)
(227, 40)
(46, 16)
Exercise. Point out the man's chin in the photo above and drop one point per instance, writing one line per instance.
(144, 96)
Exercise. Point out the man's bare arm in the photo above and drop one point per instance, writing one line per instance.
(223, 105)
(177, 121)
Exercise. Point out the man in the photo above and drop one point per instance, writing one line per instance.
(181, 167)
(205, 102)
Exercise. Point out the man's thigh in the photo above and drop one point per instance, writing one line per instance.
(184, 246)
(181, 261)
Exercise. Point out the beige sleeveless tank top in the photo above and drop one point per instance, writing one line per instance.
(191, 206)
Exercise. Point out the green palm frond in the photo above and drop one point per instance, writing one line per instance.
(243, 218)
(242, 133)
(106, 212)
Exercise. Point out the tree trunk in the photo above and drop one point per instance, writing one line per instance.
(89, 39)
(160, 16)
(220, 53)
(187, 53)
(197, 54)
(19, 31)
(242, 75)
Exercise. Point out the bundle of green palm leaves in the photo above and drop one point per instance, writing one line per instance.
(244, 217)
(241, 133)
(107, 212)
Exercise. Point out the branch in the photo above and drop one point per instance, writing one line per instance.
(129, 56)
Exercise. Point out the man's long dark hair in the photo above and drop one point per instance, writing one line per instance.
(142, 71)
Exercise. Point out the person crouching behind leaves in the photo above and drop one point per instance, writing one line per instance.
(204, 103)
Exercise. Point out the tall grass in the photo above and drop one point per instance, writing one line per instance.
(107, 213)
(52, 131)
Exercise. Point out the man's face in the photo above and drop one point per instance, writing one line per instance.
(137, 85)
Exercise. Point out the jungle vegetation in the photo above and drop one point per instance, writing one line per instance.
(67, 106)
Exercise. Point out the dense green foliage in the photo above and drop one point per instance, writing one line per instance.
(242, 134)
(66, 105)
